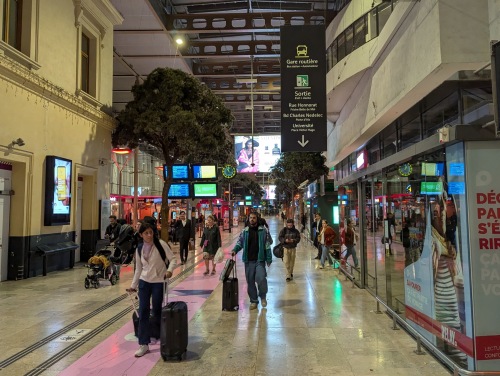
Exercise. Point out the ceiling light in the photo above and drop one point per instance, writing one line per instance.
(246, 80)
(179, 41)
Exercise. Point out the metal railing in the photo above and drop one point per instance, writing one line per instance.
(457, 371)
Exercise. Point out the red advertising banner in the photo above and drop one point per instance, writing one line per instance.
(447, 334)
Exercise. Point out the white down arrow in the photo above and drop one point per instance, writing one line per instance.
(303, 143)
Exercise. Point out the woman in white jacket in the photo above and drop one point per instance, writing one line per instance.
(150, 273)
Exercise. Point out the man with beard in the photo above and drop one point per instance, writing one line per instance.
(256, 243)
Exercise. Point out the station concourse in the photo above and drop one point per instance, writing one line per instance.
(317, 324)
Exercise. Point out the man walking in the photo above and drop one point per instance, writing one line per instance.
(289, 237)
(183, 233)
(256, 244)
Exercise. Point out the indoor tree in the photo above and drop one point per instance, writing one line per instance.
(293, 168)
(180, 117)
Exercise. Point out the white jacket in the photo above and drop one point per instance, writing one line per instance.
(154, 269)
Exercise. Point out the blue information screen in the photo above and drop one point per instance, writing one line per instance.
(179, 190)
(180, 171)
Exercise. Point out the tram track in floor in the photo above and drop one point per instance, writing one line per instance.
(37, 345)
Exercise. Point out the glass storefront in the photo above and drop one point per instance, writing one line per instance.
(413, 245)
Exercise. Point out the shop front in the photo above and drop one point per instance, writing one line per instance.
(430, 242)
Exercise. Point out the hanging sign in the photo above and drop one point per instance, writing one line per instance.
(303, 88)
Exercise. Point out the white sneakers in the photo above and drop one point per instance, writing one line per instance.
(143, 350)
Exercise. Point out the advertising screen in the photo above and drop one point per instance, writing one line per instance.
(180, 171)
(204, 171)
(264, 154)
(179, 190)
(431, 188)
(205, 190)
(57, 191)
(432, 169)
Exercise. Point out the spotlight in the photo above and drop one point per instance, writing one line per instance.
(18, 142)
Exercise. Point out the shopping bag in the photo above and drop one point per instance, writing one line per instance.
(219, 256)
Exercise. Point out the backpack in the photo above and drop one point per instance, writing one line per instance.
(160, 249)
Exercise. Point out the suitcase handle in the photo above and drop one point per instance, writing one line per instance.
(131, 295)
(235, 273)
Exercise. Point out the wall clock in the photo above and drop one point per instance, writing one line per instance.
(229, 171)
(405, 169)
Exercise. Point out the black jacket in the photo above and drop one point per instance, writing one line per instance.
(289, 233)
(183, 232)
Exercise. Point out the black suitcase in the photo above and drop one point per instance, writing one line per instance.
(174, 330)
(230, 295)
(230, 288)
(226, 271)
(154, 326)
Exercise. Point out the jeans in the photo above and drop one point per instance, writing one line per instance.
(351, 251)
(289, 260)
(325, 255)
(255, 272)
(146, 292)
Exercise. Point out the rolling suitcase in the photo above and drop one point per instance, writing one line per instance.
(174, 329)
(154, 323)
(226, 271)
(230, 292)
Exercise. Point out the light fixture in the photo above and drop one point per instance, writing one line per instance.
(246, 80)
(268, 108)
(179, 41)
(121, 150)
(19, 142)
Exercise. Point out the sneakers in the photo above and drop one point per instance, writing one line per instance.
(253, 306)
(263, 302)
(288, 279)
(143, 350)
(321, 267)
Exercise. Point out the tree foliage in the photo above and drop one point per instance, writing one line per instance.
(247, 181)
(180, 117)
(294, 168)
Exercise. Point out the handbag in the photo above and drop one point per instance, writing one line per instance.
(278, 251)
(219, 256)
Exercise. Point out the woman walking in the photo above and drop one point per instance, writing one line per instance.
(210, 243)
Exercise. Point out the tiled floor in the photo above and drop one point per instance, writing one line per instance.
(317, 324)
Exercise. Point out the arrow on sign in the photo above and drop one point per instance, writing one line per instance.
(303, 143)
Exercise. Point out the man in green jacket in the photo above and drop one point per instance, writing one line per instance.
(256, 243)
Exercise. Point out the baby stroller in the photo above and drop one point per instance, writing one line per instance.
(101, 266)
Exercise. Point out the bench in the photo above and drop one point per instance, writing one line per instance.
(51, 249)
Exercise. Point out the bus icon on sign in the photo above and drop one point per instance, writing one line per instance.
(302, 50)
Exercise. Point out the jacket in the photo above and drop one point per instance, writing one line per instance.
(289, 233)
(349, 236)
(265, 242)
(329, 236)
(183, 232)
(212, 235)
(154, 269)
